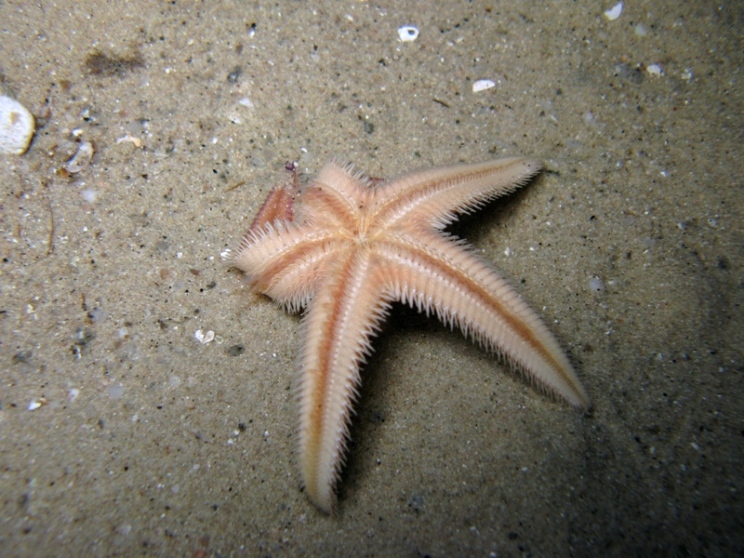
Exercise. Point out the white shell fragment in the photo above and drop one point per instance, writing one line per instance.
(131, 139)
(408, 33)
(37, 403)
(482, 85)
(613, 13)
(596, 284)
(654, 70)
(17, 126)
(204, 338)
(81, 159)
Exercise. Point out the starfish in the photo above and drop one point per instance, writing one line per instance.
(345, 247)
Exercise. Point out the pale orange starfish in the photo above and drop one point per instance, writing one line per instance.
(346, 247)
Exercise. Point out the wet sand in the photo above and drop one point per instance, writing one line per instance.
(122, 434)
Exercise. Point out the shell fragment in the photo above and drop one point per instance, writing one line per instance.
(17, 126)
(482, 85)
(613, 13)
(81, 159)
(407, 33)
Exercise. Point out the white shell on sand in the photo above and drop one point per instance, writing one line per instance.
(17, 126)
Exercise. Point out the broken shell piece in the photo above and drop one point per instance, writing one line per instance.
(482, 85)
(17, 126)
(37, 403)
(81, 159)
(407, 33)
(654, 70)
(613, 13)
(204, 338)
(131, 139)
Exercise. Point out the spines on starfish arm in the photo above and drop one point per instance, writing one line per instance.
(336, 197)
(284, 261)
(345, 315)
(432, 274)
(435, 197)
(349, 168)
(279, 204)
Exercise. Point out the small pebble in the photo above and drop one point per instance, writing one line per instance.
(88, 195)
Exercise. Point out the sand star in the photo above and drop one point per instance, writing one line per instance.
(345, 247)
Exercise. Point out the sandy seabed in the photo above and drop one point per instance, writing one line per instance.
(122, 434)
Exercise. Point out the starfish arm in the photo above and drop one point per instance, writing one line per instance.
(285, 261)
(279, 204)
(337, 194)
(433, 274)
(344, 316)
(434, 197)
